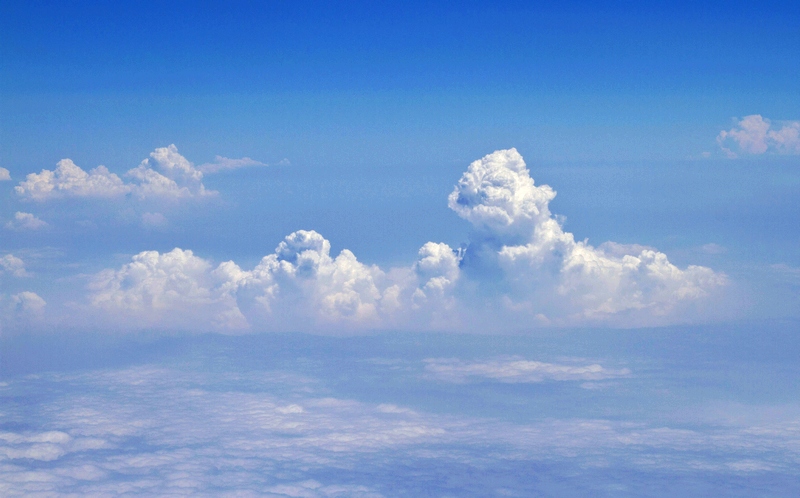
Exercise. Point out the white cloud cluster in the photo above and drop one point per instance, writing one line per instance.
(5, 175)
(520, 266)
(25, 221)
(165, 174)
(298, 286)
(515, 370)
(755, 134)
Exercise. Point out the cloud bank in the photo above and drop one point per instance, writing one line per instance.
(520, 269)
(754, 135)
(165, 174)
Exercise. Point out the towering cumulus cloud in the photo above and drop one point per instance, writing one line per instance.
(521, 250)
(520, 269)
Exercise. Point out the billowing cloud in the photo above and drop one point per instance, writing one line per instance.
(171, 289)
(165, 173)
(755, 134)
(520, 248)
(515, 370)
(520, 268)
(298, 286)
(11, 264)
(225, 164)
(69, 180)
(5, 175)
(25, 221)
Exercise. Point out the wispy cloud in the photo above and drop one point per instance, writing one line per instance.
(226, 164)
(516, 370)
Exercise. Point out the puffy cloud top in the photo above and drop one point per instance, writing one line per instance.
(165, 173)
(755, 134)
(5, 175)
(497, 195)
(69, 180)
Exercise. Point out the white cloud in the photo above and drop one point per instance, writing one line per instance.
(69, 180)
(225, 164)
(165, 173)
(516, 370)
(5, 175)
(755, 134)
(25, 221)
(541, 268)
(12, 264)
(172, 289)
(520, 267)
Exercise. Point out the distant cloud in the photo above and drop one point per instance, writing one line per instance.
(12, 265)
(224, 164)
(165, 174)
(154, 220)
(25, 221)
(755, 134)
(5, 175)
(28, 302)
(520, 266)
(516, 370)
(712, 248)
(169, 289)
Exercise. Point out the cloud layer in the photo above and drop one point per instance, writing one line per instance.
(755, 135)
(153, 431)
(520, 269)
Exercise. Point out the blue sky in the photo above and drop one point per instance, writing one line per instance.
(573, 221)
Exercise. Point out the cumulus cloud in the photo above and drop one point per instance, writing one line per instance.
(175, 288)
(300, 285)
(515, 370)
(226, 164)
(12, 265)
(28, 302)
(25, 221)
(755, 134)
(5, 175)
(521, 247)
(165, 173)
(520, 266)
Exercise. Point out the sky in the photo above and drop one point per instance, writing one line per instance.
(399, 235)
